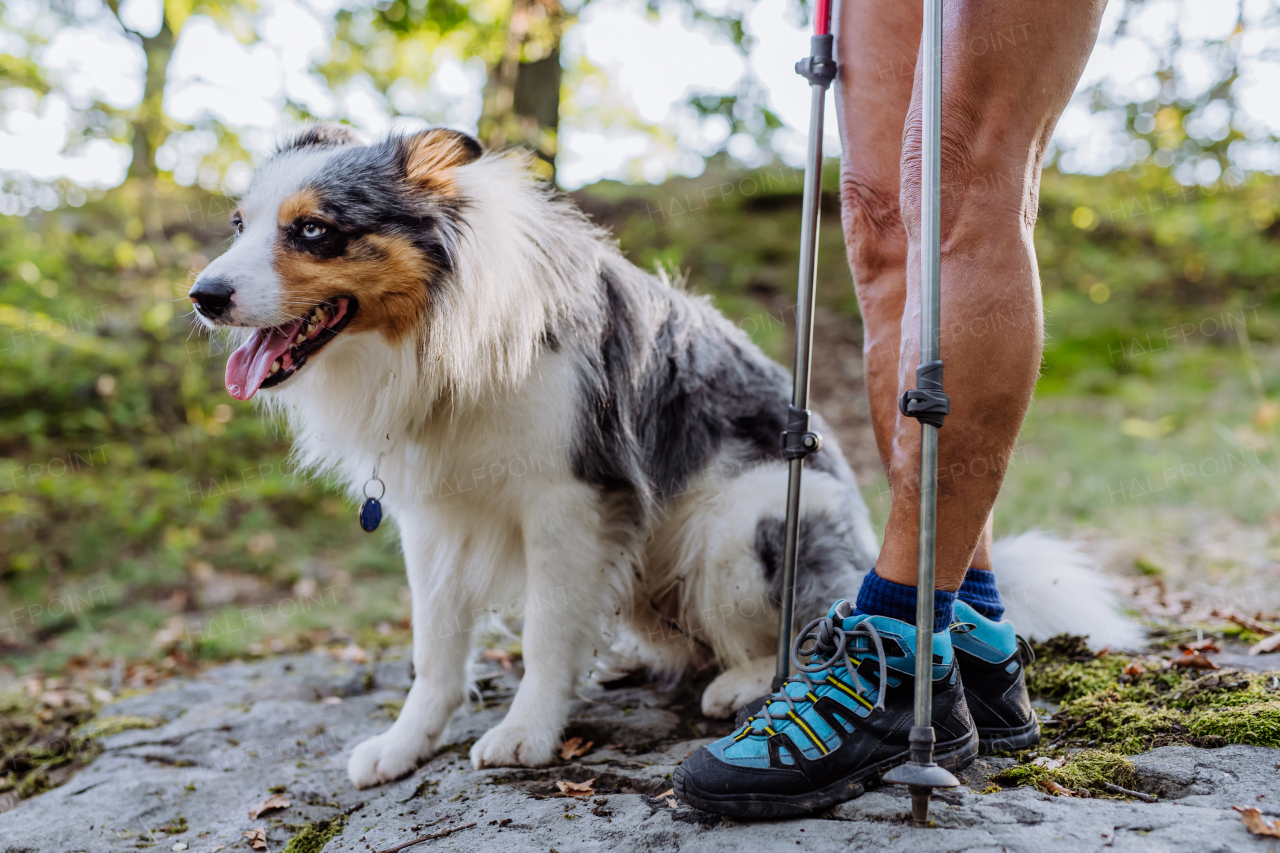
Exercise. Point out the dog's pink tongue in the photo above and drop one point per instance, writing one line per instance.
(247, 368)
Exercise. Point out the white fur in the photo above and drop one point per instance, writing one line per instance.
(259, 300)
(470, 426)
(1050, 586)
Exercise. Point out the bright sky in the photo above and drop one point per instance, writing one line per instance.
(650, 66)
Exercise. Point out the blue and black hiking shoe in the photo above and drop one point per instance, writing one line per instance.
(990, 656)
(834, 727)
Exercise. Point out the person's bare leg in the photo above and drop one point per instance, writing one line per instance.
(982, 553)
(1008, 71)
(877, 43)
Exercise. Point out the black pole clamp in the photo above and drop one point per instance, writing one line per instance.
(819, 68)
(927, 403)
(798, 441)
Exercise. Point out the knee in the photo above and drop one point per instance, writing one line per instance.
(874, 235)
(989, 181)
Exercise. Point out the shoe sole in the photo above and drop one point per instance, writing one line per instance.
(954, 755)
(1009, 740)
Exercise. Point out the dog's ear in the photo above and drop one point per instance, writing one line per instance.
(321, 135)
(431, 156)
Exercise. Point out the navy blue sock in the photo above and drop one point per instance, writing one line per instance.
(979, 592)
(879, 597)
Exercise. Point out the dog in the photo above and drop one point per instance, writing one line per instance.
(432, 320)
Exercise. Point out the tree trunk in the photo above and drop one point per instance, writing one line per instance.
(522, 104)
(537, 97)
(149, 129)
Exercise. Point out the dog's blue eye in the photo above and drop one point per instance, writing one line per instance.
(312, 231)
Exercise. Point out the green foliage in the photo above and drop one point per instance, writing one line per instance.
(127, 475)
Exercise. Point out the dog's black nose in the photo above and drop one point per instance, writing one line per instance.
(212, 297)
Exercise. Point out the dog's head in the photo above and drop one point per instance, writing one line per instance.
(334, 237)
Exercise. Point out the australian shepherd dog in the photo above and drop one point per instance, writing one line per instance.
(423, 311)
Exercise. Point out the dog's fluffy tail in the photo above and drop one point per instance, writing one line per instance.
(1051, 587)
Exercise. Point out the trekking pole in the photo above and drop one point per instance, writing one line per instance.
(798, 441)
(927, 404)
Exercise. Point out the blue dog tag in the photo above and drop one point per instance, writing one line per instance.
(371, 514)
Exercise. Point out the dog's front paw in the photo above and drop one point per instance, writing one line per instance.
(512, 745)
(388, 756)
(737, 686)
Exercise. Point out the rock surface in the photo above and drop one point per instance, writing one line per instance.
(237, 732)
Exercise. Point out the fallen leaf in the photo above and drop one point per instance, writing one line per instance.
(1257, 824)
(575, 748)
(670, 792)
(1058, 790)
(1207, 645)
(1195, 660)
(1047, 763)
(672, 804)
(1135, 668)
(257, 838)
(351, 654)
(1270, 644)
(1252, 624)
(576, 789)
(178, 846)
(215, 848)
(275, 801)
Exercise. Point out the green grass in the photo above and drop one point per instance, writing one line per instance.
(1182, 433)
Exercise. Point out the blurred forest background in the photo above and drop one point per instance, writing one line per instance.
(150, 524)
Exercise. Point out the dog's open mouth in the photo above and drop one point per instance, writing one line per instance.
(272, 355)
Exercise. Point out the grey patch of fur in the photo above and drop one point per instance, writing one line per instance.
(668, 385)
(829, 561)
(668, 382)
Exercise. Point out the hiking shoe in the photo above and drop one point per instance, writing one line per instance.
(835, 726)
(991, 660)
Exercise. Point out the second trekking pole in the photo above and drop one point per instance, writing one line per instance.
(798, 441)
(929, 405)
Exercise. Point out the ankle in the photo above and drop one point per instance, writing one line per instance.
(880, 597)
(979, 591)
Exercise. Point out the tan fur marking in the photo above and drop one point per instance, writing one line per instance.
(434, 156)
(305, 203)
(386, 274)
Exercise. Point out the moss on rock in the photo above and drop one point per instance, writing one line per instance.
(313, 837)
(1111, 708)
(1257, 724)
(1087, 770)
(1109, 704)
(114, 724)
